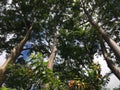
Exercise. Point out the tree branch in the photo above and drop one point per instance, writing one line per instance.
(113, 45)
(110, 63)
(15, 53)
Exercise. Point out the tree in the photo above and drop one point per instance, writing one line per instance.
(67, 33)
(34, 74)
(21, 21)
(85, 11)
(113, 45)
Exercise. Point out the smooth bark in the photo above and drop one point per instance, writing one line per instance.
(53, 52)
(115, 69)
(113, 45)
(51, 58)
(14, 55)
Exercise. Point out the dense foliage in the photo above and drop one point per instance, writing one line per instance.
(34, 74)
(62, 24)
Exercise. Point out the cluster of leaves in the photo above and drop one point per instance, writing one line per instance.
(4, 88)
(77, 42)
(19, 75)
(32, 75)
(17, 18)
(87, 77)
(44, 74)
(76, 50)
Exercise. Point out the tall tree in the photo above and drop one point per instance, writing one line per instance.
(18, 20)
(65, 32)
(14, 54)
(113, 45)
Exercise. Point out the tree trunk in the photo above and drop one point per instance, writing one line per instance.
(53, 52)
(51, 58)
(110, 63)
(113, 45)
(14, 54)
(53, 48)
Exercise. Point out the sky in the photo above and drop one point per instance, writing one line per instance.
(2, 58)
(114, 82)
(9, 1)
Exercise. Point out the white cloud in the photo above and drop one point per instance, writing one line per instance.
(9, 1)
(2, 58)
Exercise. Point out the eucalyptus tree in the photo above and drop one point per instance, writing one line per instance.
(39, 20)
(110, 27)
(91, 16)
(20, 19)
(93, 13)
(65, 32)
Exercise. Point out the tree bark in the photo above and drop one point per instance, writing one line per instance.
(53, 52)
(14, 54)
(51, 58)
(113, 45)
(115, 69)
